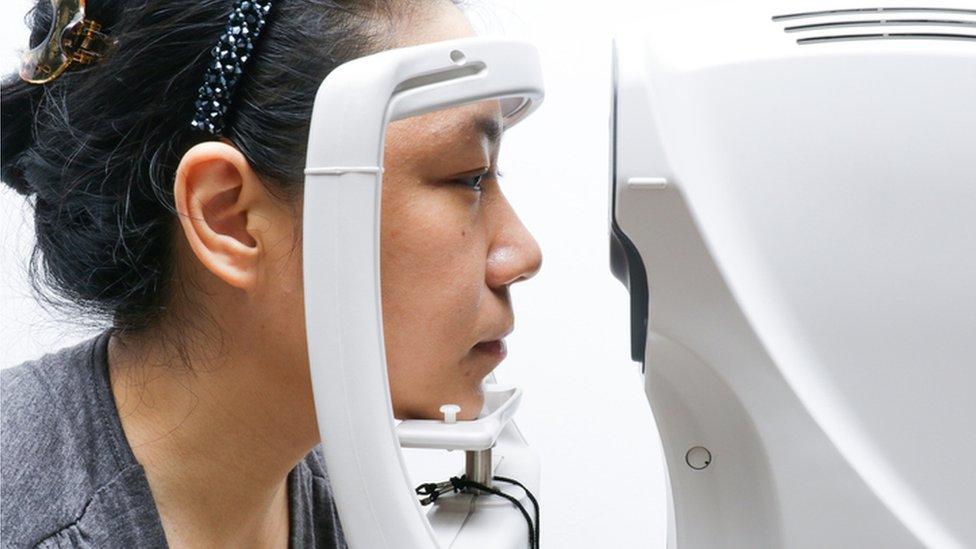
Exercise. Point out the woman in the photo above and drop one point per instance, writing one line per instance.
(190, 421)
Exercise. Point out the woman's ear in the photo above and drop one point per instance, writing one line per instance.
(218, 197)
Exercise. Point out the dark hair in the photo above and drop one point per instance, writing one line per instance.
(98, 147)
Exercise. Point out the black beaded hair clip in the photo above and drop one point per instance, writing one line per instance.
(232, 51)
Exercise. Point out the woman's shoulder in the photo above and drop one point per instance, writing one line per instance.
(56, 442)
(43, 401)
(34, 391)
(50, 407)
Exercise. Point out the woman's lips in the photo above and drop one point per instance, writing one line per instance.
(495, 349)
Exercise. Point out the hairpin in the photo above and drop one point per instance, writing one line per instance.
(73, 39)
(232, 51)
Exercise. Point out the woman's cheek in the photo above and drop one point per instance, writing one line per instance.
(430, 327)
(432, 269)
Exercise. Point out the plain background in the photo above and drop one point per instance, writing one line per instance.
(584, 409)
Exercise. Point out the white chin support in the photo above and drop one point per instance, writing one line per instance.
(341, 243)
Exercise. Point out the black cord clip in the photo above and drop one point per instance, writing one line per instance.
(431, 491)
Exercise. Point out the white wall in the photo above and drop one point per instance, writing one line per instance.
(584, 409)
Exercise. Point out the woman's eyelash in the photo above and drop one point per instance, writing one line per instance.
(475, 181)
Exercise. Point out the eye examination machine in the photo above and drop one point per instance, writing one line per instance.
(378, 506)
(793, 211)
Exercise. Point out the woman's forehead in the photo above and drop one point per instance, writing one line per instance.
(476, 123)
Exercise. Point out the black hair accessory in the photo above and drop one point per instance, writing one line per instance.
(73, 39)
(232, 51)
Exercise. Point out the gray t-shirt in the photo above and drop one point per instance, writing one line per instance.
(70, 479)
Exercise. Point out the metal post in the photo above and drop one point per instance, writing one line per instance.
(477, 466)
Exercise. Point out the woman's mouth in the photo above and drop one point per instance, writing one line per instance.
(495, 349)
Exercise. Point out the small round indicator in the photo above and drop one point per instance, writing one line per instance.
(458, 57)
(698, 458)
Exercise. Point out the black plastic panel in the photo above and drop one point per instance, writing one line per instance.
(625, 261)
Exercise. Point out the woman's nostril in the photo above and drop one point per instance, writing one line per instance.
(511, 264)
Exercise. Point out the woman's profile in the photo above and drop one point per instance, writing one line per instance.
(165, 174)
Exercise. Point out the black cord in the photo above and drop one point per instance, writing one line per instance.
(533, 532)
(431, 491)
(535, 503)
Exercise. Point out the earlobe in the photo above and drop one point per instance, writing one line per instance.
(212, 193)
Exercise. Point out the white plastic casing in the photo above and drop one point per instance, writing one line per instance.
(806, 215)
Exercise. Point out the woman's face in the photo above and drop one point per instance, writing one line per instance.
(451, 246)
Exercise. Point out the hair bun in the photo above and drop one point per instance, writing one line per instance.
(16, 115)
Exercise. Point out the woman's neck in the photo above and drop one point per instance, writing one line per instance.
(217, 434)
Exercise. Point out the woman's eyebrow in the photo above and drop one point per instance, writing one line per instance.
(490, 127)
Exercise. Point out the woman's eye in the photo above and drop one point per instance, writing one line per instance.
(473, 181)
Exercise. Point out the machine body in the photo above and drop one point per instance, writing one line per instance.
(793, 208)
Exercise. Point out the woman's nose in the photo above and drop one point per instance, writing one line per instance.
(514, 255)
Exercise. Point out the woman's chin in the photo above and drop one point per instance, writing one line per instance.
(470, 400)
(472, 409)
